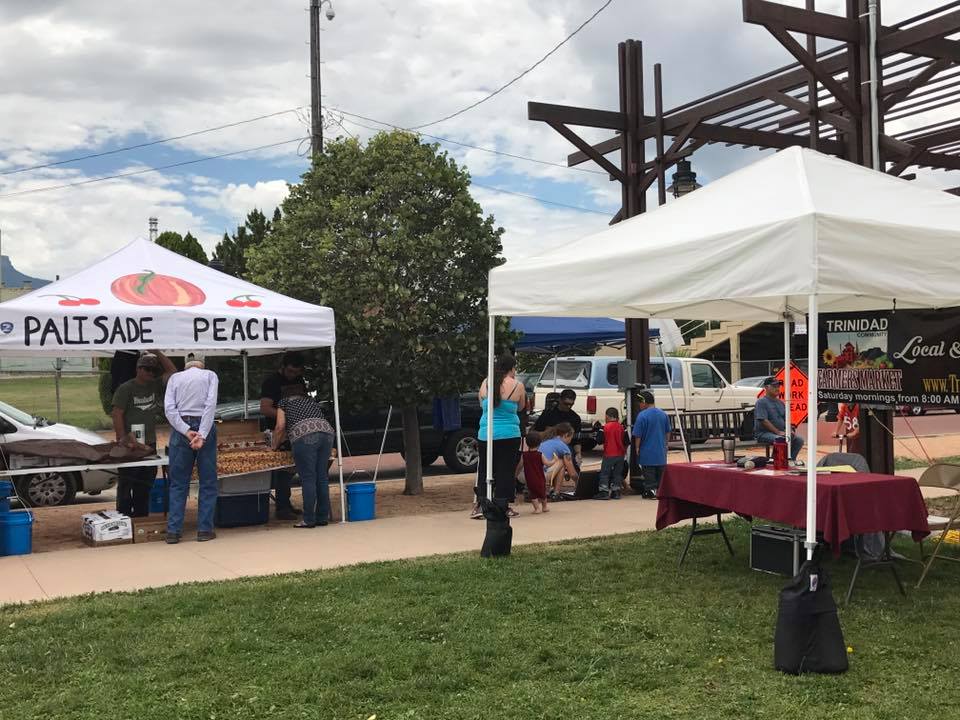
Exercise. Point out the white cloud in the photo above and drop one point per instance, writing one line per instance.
(235, 201)
(76, 77)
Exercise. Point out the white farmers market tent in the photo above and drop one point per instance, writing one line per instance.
(146, 297)
(797, 232)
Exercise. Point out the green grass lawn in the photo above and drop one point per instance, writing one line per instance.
(79, 399)
(904, 463)
(593, 629)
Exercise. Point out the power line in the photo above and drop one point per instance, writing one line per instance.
(144, 171)
(461, 144)
(538, 199)
(518, 77)
(153, 142)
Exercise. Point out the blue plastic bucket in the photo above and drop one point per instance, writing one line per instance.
(158, 496)
(6, 492)
(16, 533)
(361, 501)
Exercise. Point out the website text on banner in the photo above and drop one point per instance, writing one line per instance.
(895, 357)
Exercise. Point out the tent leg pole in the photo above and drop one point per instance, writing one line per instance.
(339, 433)
(813, 341)
(383, 443)
(246, 386)
(673, 400)
(787, 380)
(491, 339)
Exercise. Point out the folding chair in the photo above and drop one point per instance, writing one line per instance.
(872, 549)
(945, 477)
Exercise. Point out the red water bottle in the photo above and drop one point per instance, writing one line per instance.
(780, 454)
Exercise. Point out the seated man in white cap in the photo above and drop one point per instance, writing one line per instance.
(189, 405)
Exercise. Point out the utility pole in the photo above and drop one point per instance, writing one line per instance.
(316, 117)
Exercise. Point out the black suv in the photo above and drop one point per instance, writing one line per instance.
(363, 432)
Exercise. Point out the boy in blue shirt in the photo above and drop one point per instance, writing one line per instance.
(557, 457)
(650, 434)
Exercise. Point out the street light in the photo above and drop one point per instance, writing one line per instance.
(684, 180)
(316, 119)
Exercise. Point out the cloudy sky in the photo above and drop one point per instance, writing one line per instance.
(80, 78)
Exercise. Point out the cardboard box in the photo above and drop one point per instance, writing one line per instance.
(149, 529)
(107, 527)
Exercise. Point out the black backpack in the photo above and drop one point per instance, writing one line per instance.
(808, 636)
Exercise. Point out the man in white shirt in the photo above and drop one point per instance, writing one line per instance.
(189, 405)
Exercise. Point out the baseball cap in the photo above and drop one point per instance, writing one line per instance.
(148, 361)
(647, 397)
(194, 358)
(771, 381)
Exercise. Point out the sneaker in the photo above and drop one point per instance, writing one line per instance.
(615, 495)
(603, 495)
(204, 536)
(476, 513)
(648, 494)
(553, 496)
(172, 538)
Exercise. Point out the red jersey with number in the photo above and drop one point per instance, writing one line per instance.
(613, 445)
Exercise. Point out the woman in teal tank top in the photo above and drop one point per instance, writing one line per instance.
(509, 399)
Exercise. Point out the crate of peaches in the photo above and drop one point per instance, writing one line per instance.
(249, 457)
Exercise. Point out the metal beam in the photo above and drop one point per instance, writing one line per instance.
(604, 148)
(761, 12)
(568, 115)
(810, 63)
(584, 146)
(914, 83)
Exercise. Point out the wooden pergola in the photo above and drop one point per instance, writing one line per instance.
(822, 101)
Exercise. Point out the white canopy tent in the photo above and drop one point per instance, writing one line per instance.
(145, 297)
(797, 232)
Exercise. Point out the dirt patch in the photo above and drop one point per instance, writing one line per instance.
(59, 528)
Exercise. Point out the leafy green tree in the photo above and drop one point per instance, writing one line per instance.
(232, 250)
(186, 245)
(390, 238)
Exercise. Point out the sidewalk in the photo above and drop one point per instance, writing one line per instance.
(260, 551)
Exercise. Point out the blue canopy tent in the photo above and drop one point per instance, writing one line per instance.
(551, 332)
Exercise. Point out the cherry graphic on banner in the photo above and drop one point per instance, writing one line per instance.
(73, 300)
(244, 301)
(798, 394)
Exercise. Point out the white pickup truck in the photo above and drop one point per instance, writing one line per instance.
(697, 385)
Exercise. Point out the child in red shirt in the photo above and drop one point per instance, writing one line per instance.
(531, 463)
(613, 465)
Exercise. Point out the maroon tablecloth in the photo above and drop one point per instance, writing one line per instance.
(847, 504)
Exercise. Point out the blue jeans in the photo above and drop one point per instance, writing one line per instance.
(311, 453)
(768, 438)
(182, 460)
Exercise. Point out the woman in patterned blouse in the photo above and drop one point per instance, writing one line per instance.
(300, 418)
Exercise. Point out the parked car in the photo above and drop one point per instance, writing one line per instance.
(48, 487)
(696, 385)
(751, 382)
(363, 432)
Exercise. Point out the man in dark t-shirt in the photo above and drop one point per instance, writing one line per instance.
(290, 373)
(139, 402)
(563, 412)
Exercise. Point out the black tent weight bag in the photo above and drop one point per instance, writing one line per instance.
(499, 538)
(808, 636)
